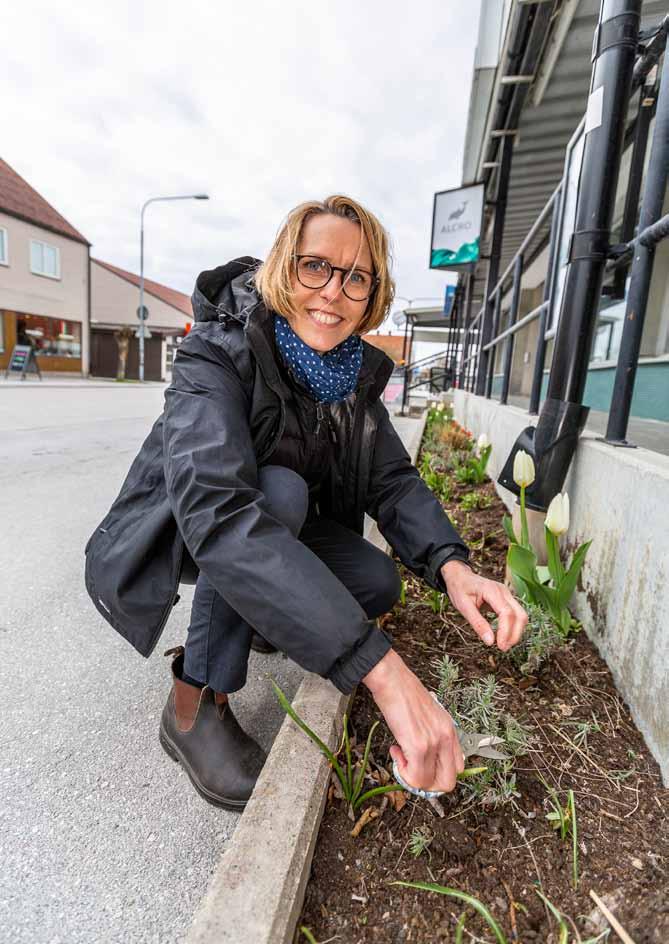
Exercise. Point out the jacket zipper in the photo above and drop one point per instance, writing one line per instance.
(323, 413)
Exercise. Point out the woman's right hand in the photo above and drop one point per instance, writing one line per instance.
(427, 753)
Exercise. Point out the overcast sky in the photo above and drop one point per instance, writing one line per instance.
(259, 104)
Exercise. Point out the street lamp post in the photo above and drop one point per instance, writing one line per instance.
(193, 196)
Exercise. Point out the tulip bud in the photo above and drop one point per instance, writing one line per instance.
(482, 443)
(523, 469)
(557, 516)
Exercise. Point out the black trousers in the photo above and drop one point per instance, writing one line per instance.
(219, 640)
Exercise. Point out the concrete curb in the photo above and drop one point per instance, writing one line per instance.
(257, 889)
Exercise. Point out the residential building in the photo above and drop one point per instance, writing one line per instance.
(44, 279)
(115, 304)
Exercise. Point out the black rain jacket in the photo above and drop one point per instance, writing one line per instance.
(191, 495)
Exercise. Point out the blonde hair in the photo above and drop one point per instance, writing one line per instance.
(274, 278)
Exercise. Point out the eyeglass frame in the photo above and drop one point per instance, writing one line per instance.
(333, 269)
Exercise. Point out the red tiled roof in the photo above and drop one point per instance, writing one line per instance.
(390, 344)
(168, 295)
(17, 198)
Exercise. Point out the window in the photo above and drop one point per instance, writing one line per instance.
(4, 246)
(44, 259)
(49, 336)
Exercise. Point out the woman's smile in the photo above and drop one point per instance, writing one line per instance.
(326, 318)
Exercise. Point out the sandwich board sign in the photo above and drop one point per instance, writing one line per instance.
(456, 228)
(23, 361)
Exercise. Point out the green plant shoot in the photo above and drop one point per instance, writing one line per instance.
(468, 899)
(351, 783)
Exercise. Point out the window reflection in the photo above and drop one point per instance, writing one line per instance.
(49, 336)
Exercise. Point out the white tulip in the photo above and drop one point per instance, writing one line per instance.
(523, 469)
(557, 516)
(482, 443)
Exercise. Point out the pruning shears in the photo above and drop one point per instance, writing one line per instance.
(472, 743)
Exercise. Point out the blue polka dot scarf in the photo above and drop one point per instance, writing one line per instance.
(328, 377)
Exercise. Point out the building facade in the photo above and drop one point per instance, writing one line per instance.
(567, 310)
(546, 146)
(114, 306)
(44, 279)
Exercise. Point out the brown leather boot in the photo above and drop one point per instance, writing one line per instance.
(199, 730)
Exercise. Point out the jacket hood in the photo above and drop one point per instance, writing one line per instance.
(229, 290)
(226, 290)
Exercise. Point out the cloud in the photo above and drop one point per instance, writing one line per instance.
(261, 106)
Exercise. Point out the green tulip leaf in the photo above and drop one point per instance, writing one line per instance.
(507, 524)
(568, 583)
(522, 561)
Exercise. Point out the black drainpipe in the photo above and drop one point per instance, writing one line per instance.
(642, 270)
(553, 443)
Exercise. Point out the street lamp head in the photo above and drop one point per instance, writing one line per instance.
(201, 196)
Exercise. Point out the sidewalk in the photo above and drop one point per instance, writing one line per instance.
(102, 836)
(72, 380)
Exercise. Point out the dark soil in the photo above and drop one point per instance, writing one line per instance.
(502, 855)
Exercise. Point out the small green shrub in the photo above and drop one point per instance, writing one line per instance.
(473, 501)
(449, 672)
(473, 470)
(478, 707)
(541, 639)
(437, 482)
(420, 840)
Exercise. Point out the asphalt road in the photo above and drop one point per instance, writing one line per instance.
(102, 837)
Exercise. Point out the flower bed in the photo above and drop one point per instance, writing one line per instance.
(580, 808)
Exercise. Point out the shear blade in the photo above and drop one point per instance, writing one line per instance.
(491, 753)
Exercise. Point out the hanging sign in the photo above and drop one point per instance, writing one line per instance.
(449, 298)
(456, 227)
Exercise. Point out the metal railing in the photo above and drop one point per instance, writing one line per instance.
(437, 379)
(477, 355)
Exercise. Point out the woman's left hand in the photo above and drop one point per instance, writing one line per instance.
(468, 592)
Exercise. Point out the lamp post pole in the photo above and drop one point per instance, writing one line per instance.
(193, 196)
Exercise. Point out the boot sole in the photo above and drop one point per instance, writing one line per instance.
(225, 803)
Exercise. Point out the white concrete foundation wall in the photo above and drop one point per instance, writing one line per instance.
(619, 499)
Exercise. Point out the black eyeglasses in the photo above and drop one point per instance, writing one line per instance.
(314, 272)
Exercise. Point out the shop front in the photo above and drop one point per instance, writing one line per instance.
(56, 341)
